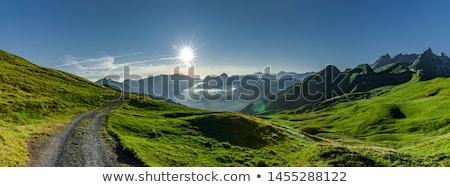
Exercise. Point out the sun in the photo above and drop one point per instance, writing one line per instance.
(186, 55)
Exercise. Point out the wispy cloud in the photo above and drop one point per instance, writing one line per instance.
(97, 68)
(144, 66)
(131, 54)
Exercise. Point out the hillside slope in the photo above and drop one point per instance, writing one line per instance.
(163, 134)
(329, 83)
(35, 101)
(158, 133)
(412, 118)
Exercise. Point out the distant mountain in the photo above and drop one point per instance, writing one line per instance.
(161, 86)
(313, 88)
(217, 93)
(382, 61)
(405, 59)
(109, 82)
(282, 75)
(330, 82)
(239, 90)
(427, 64)
(430, 65)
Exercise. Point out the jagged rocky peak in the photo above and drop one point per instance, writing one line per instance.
(383, 60)
(431, 65)
(428, 57)
(387, 56)
(224, 75)
(428, 52)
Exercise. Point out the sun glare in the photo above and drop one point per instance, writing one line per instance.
(186, 55)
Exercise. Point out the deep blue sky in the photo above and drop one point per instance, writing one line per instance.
(232, 36)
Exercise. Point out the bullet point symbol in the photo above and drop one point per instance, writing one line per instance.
(259, 176)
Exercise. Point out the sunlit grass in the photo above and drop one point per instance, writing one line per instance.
(412, 118)
(36, 101)
(171, 135)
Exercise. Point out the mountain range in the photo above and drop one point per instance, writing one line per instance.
(331, 82)
(393, 115)
(285, 90)
(216, 93)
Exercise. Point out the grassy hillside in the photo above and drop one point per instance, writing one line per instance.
(411, 120)
(404, 125)
(35, 101)
(164, 134)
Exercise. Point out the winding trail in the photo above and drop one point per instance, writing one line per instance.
(82, 143)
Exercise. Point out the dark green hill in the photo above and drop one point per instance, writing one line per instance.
(329, 83)
(35, 101)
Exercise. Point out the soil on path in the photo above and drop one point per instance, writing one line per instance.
(82, 143)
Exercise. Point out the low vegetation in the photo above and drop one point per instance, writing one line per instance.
(357, 133)
(164, 134)
(36, 101)
(410, 122)
(402, 125)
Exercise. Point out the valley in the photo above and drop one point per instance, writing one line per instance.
(393, 115)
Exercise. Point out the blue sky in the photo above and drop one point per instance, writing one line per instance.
(93, 37)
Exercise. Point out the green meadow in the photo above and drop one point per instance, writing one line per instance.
(410, 121)
(164, 134)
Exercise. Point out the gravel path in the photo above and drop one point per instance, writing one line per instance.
(81, 143)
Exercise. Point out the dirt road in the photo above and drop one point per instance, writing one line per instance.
(81, 143)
